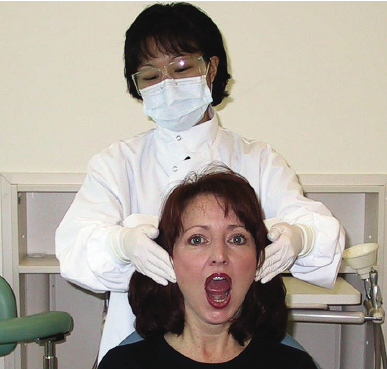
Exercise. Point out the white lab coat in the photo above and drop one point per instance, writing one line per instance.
(133, 176)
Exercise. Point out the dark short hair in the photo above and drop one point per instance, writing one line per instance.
(175, 28)
(160, 309)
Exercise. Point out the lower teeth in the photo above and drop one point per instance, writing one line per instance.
(221, 299)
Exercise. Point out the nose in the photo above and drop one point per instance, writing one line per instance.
(219, 253)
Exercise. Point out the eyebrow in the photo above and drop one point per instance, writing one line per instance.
(173, 57)
(230, 227)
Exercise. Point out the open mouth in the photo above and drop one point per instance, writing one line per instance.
(218, 287)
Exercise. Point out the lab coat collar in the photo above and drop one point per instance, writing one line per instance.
(192, 140)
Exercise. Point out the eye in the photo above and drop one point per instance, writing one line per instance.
(150, 78)
(196, 240)
(238, 239)
(149, 74)
(184, 67)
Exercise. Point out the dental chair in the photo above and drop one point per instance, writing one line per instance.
(46, 328)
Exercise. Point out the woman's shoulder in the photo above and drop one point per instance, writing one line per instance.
(300, 358)
(279, 355)
(124, 149)
(225, 132)
(132, 143)
(246, 145)
(136, 354)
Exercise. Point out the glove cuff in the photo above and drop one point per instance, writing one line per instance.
(116, 244)
(307, 239)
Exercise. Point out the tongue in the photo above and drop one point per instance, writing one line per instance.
(218, 286)
(217, 289)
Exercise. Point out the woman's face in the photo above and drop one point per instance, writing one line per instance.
(214, 260)
(161, 60)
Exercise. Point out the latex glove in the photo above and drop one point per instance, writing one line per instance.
(136, 245)
(288, 243)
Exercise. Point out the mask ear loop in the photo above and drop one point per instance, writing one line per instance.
(212, 82)
(208, 67)
(205, 75)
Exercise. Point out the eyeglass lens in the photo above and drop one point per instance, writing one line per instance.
(182, 68)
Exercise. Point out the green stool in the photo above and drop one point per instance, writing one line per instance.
(43, 328)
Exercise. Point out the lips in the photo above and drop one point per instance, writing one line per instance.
(218, 290)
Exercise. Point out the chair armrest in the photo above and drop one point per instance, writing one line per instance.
(35, 326)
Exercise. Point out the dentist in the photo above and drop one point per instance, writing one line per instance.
(175, 62)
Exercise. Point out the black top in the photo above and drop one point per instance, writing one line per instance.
(156, 353)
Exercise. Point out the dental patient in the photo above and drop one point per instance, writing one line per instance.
(216, 315)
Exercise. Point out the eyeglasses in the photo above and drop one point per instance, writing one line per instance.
(185, 67)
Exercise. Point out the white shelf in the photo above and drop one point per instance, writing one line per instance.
(39, 264)
(302, 295)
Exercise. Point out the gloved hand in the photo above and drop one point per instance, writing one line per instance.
(136, 245)
(288, 243)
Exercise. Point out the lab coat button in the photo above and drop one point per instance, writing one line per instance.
(178, 138)
(174, 168)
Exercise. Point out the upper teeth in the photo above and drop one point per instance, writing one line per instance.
(218, 278)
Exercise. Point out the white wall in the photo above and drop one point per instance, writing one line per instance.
(309, 77)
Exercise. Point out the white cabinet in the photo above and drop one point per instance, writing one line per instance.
(359, 202)
(32, 206)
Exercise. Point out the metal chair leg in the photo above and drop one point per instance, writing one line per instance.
(49, 359)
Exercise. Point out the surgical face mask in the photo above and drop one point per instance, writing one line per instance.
(177, 104)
